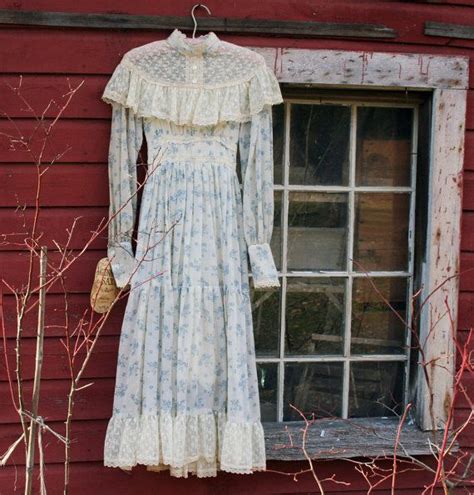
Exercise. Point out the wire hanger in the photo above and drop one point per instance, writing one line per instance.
(194, 19)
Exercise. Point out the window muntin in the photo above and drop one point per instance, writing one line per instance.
(344, 210)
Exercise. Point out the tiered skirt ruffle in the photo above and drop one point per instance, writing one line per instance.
(198, 444)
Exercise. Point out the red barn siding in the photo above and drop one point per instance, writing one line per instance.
(76, 186)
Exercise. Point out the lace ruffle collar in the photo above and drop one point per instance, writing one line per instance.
(194, 104)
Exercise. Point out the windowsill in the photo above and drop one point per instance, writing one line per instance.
(345, 438)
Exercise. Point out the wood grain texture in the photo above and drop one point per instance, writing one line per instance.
(350, 438)
(449, 30)
(261, 27)
(64, 185)
(92, 477)
(62, 227)
(368, 69)
(78, 311)
(441, 265)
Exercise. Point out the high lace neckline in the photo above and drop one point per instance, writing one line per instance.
(188, 45)
(153, 80)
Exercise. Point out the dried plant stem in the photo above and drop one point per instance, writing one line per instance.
(30, 459)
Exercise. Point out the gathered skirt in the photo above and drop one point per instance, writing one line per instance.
(186, 394)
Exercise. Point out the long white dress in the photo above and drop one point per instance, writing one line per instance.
(186, 394)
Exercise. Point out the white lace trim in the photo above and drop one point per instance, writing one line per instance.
(268, 283)
(193, 104)
(200, 444)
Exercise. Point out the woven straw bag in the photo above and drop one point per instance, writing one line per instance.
(104, 289)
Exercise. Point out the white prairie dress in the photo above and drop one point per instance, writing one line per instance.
(186, 394)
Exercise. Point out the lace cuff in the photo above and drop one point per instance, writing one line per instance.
(123, 264)
(263, 267)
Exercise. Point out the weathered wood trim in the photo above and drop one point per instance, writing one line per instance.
(447, 78)
(345, 438)
(449, 30)
(218, 24)
(441, 265)
(367, 69)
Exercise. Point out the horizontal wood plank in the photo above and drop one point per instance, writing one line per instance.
(467, 231)
(93, 402)
(62, 185)
(469, 150)
(90, 477)
(370, 69)
(462, 418)
(470, 110)
(466, 394)
(466, 310)
(469, 3)
(468, 191)
(73, 228)
(449, 30)
(345, 438)
(70, 141)
(76, 95)
(62, 311)
(262, 27)
(102, 363)
(467, 272)
(77, 277)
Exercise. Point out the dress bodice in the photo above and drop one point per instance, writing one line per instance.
(203, 100)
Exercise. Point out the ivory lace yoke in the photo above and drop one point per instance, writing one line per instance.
(200, 84)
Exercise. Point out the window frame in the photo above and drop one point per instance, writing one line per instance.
(446, 77)
(346, 276)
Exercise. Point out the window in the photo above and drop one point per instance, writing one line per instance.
(345, 191)
(312, 195)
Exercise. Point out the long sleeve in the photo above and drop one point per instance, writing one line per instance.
(256, 162)
(126, 137)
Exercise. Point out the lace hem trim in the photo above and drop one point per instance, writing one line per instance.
(196, 104)
(198, 444)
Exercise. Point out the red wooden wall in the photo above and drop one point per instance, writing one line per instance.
(48, 59)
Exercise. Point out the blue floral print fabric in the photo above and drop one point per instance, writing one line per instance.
(186, 394)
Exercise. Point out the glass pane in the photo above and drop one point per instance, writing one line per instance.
(266, 320)
(267, 388)
(375, 327)
(278, 141)
(383, 146)
(313, 388)
(314, 316)
(317, 231)
(381, 231)
(276, 240)
(376, 389)
(319, 144)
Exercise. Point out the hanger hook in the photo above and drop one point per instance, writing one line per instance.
(194, 19)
